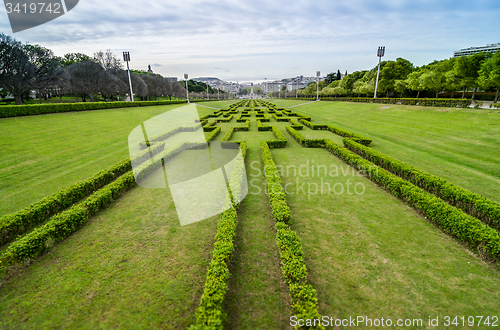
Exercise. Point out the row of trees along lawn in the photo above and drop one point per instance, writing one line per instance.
(25, 68)
(454, 76)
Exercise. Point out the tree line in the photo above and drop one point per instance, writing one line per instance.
(454, 76)
(25, 68)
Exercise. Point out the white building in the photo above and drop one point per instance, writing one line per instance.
(474, 50)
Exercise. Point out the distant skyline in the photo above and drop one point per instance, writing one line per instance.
(253, 40)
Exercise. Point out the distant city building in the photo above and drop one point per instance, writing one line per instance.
(294, 86)
(474, 50)
(171, 79)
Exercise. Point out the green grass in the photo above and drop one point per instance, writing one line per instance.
(131, 267)
(257, 297)
(460, 145)
(41, 154)
(369, 254)
(134, 267)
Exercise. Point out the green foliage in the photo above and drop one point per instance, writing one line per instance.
(210, 314)
(427, 102)
(451, 220)
(474, 204)
(39, 109)
(293, 267)
(339, 131)
(20, 222)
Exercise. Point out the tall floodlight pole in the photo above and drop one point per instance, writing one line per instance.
(318, 73)
(380, 54)
(126, 58)
(187, 90)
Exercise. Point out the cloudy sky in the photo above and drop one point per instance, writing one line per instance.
(254, 39)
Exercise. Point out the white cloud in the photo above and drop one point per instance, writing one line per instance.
(249, 39)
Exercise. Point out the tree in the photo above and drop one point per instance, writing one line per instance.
(414, 81)
(72, 58)
(489, 74)
(85, 78)
(16, 71)
(339, 75)
(434, 79)
(157, 85)
(108, 60)
(467, 70)
(392, 71)
(331, 77)
(347, 82)
(47, 69)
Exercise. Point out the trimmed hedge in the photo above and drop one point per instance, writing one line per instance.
(426, 102)
(474, 204)
(281, 139)
(214, 133)
(308, 143)
(40, 109)
(20, 222)
(261, 127)
(210, 314)
(339, 131)
(67, 222)
(233, 129)
(451, 220)
(293, 267)
(160, 137)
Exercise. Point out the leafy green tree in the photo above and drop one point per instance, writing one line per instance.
(414, 81)
(392, 71)
(434, 79)
(467, 70)
(72, 58)
(331, 77)
(489, 74)
(348, 81)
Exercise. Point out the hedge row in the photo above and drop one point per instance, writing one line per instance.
(296, 125)
(67, 222)
(308, 143)
(474, 204)
(210, 314)
(451, 220)
(233, 129)
(213, 134)
(20, 222)
(427, 102)
(281, 139)
(40, 109)
(339, 131)
(261, 127)
(161, 137)
(293, 267)
(226, 119)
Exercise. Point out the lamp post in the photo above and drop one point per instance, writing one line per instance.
(208, 98)
(187, 90)
(380, 54)
(126, 58)
(218, 92)
(318, 73)
(297, 90)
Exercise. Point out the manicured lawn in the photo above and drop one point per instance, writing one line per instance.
(41, 154)
(132, 267)
(460, 145)
(367, 253)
